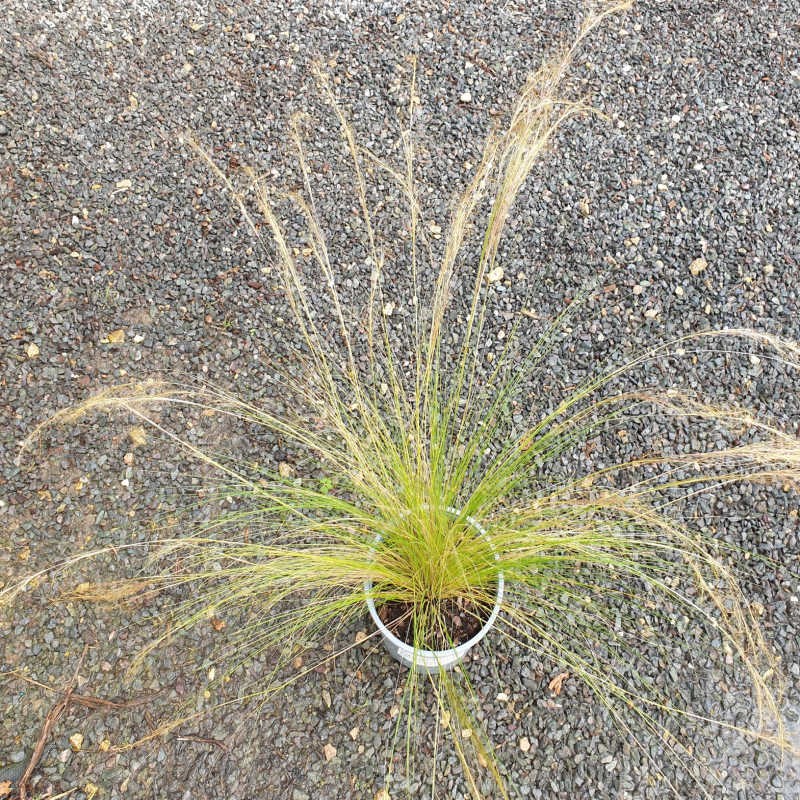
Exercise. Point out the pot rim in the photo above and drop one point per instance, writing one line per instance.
(450, 652)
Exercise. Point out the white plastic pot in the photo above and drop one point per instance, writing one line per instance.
(433, 661)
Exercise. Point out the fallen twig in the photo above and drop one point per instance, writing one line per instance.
(99, 702)
(204, 740)
(49, 722)
(68, 698)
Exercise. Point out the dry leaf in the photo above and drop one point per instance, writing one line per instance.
(217, 624)
(382, 794)
(76, 742)
(697, 266)
(32, 350)
(329, 751)
(361, 636)
(525, 744)
(388, 309)
(495, 275)
(354, 733)
(116, 337)
(125, 183)
(104, 746)
(583, 207)
(138, 436)
(91, 790)
(436, 230)
(285, 470)
(557, 683)
(106, 591)
(5, 788)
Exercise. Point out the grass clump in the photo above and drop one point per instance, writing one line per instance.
(419, 443)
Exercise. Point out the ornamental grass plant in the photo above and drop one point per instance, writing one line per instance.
(415, 438)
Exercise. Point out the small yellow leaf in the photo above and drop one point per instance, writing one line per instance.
(125, 183)
(32, 350)
(495, 275)
(76, 741)
(329, 751)
(137, 436)
(133, 102)
(285, 470)
(697, 266)
(105, 746)
(5, 789)
(116, 337)
(91, 790)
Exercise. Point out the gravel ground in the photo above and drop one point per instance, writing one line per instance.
(110, 224)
